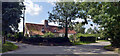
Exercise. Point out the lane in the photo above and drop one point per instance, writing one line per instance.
(93, 48)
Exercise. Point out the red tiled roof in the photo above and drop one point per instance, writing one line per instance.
(36, 29)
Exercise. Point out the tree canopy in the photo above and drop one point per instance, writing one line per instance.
(79, 28)
(107, 15)
(11, 14)
(64, 13)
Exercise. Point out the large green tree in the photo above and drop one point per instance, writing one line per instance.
(11, 14)
(63, 13)
(107, 15)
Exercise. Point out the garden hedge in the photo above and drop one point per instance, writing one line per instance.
(88, 39)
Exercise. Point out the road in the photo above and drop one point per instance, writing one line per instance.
(93, 48)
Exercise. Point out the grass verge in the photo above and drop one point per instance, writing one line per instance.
(103, 40)
(81, 43)
(8, 46)
(110, 48)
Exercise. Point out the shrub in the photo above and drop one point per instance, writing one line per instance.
(15, 37)
(88, 39)
(56, 40)
(37, 36)
(33, 39)
(49, 34)
(71, 38)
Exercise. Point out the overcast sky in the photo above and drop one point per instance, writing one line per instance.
(37, 12)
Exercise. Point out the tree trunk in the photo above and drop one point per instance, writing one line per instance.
(66, 31)
(4, 40)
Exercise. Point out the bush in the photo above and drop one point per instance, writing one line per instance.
(8, 47)
(56, 40)
(88, 39)
(15, 37)
(71, 38)
(33, 39)
(87, 35)
(37, 40)
(49, 34)
(37, 36)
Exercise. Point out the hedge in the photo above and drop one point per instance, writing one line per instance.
(34, 40)
(88, 39)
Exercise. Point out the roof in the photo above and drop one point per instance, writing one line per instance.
(37, 28)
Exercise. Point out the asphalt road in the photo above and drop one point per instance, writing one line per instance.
(93, 48)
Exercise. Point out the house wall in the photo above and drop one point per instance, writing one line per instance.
(26, 32)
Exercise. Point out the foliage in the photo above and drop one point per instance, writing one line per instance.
(31, 40)
(9, 35)
(15, 37)
(11, 14)
(79, 28)
(76, 38)
(72, 38)
(49, 34)
(88, 39)
(89, 31)
(64, 13)
(107, 15)
(37, 36)
(8, 47)
(87, 35)
(38, 40)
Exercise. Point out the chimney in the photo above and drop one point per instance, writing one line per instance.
(46, 23)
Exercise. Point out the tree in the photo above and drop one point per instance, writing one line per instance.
(11, 14)
(63, 13)
(107, 15)
(79, 28)
(89, 30)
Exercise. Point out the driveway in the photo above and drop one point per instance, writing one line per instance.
(93, 48)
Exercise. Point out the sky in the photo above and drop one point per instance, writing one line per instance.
(37, 12)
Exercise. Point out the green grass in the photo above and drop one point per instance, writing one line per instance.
(87, 35)
(81, 43)
(8, 47)
(103, 40)
(109, 48)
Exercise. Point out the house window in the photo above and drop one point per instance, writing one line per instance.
(55, 30)
(42, 29)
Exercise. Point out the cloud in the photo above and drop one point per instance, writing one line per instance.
(32, 8)
(52, 2)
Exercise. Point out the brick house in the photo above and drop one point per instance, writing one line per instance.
(40, 29)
